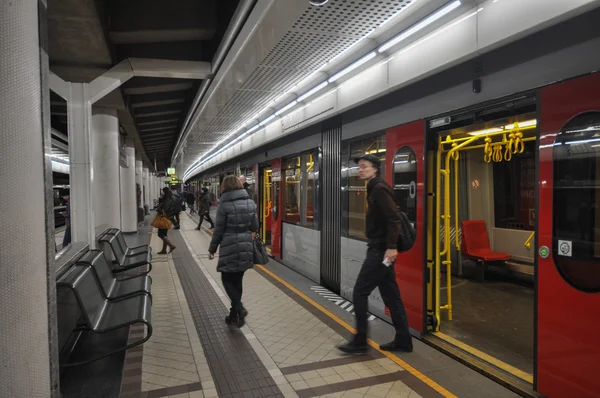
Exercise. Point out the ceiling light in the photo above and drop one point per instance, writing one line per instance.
(267, 120)
(487, 131)
(313, 91)
(285, 108)
(415, 28)
(352, 66)
(525, 123)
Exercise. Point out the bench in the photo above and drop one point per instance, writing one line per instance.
(476, 244)
(129, 251)
(100, 315)
(113, 288)
(126, 263)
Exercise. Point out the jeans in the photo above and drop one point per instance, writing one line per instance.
(232, 282)
(374, 273)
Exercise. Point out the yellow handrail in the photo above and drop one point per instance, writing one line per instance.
(528, 241)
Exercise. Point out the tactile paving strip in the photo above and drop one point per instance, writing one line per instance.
(236, 368)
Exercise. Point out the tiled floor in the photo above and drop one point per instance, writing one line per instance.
(172, 361)
(301, 344)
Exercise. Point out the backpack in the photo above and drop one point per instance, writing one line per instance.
(407, 235)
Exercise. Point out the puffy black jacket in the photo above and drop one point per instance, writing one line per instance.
(236, 220)
(166, 204)
(383, 219)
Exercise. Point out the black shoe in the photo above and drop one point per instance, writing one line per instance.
(396, 346)
(232, 318)
(354, 347)
(241, 317)
(198, 229)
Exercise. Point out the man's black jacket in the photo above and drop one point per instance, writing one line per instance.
(383, 218)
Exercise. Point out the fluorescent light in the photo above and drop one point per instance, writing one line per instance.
(267, 120)
(253, 128)
(582, 141)
(314, 90)
(415, 28)
(397, 12)
(486, 131)
(285, 108)
(353, 66)
(525, 123)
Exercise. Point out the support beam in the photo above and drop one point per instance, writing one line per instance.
(160, 36)
(58, 85)
(149, 67)
(163, 88)
(110, 80)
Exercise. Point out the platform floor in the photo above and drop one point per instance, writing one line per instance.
(287, 348)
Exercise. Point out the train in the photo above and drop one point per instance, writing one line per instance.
(504, 271)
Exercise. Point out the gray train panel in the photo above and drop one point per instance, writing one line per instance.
(302, 250)
(353, 255)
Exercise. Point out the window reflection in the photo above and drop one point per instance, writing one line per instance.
(405, 183)
(299, 189)
(357, 189)
(576, 235)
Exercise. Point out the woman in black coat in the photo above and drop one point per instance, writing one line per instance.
(235, 229)
(166, 205)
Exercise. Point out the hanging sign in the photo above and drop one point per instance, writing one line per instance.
(171, 171)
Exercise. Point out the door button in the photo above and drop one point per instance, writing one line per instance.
(544, 252)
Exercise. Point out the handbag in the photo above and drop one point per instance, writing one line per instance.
(260, 251)
(161, 221)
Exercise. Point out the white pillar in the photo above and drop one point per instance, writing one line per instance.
(128, 205)
(24, 267)
(138, 179)
(105, 150)
(146, 176)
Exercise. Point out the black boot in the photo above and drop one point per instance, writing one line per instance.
(358, 345)
(397, 345)
(232, 318)
(242, 313)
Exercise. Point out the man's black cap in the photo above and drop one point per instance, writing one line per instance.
(370, 158)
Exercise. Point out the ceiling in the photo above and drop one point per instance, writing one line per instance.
(294, 40)
(88, 37)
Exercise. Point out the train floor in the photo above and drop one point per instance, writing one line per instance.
(286, 349)
(495, 317)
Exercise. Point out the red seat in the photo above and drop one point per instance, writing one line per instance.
(476, 244)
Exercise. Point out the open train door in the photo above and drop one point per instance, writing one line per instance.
(568, 329)
(405, 172)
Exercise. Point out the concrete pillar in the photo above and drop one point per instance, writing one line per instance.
(26, 272)
(128, 205)
(146, 177)
(105, 153)
(138, 179)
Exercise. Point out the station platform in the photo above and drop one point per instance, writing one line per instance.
(286, 349)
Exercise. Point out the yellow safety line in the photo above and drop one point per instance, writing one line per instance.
(373, 344)
(482, 355)
(391, 356)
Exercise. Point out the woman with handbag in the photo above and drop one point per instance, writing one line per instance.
(162, 220)
(235, 228)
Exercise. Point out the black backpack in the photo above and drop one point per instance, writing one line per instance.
(407, 235)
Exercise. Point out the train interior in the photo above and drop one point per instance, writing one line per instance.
(266, 195)
(482, 176)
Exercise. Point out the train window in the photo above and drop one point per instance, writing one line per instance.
(405, 183)
(514, 188)
(576, 218)
(299, 189)
(357, 189)
(291, 190)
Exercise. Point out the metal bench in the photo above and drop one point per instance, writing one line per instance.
(126, 263)
(101, 315)
(129, 251)
(113, 288)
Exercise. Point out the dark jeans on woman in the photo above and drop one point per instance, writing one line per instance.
(232, 282)
(67, 236)
(374, 273)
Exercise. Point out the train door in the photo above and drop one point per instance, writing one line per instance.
(568, 329)
(481, 191)
(405, 162)
(266, 203)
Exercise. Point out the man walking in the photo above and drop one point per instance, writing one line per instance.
(383, 226)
